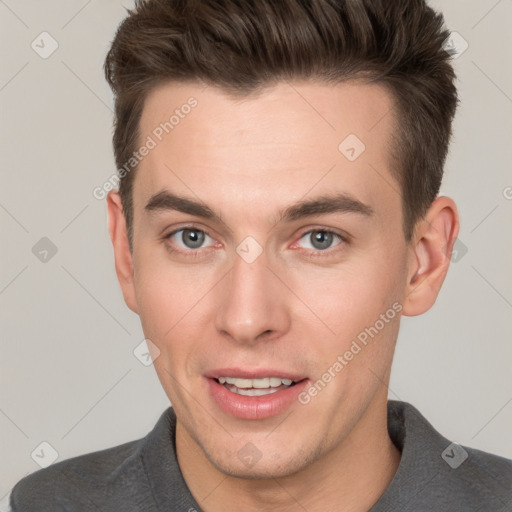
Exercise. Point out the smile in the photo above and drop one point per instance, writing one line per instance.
(254, 394)
(255, 387)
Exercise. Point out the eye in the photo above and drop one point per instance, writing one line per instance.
(320, 240)
(189, 238)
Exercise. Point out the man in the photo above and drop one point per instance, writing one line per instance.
(277, 214)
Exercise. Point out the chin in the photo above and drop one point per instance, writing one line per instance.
(261, 467)
(259, 471)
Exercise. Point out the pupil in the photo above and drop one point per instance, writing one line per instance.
(321, 239)
(193, 238)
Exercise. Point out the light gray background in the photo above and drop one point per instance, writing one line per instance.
(68, 373)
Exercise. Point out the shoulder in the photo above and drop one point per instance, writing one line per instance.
(478, 478)
(80, 481)
(112, 479)
(435, 473)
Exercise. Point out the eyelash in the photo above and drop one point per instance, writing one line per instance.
(326, 253)
(312, 253)
(191, 253)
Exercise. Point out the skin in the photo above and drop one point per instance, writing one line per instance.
(296, 307)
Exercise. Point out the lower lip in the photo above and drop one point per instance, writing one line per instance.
(254, 407)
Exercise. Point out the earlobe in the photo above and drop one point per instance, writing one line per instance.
(122, 252)
(430, 255)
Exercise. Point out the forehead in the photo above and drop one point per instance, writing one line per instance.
(268, 148)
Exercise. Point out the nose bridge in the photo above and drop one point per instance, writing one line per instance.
(252, 302)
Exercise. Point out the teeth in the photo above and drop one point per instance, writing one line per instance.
(264, 383)
(254, 392)
(273, 382)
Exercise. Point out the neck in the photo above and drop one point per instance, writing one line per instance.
(349, 478)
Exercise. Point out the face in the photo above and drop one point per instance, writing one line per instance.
(269, 266)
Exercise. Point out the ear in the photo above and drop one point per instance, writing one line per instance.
(122, 252)
(430, 254)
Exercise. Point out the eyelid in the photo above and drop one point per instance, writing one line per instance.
(344, 239)
(168, 231)
(335, 231)
(206, 236)
(167, 238)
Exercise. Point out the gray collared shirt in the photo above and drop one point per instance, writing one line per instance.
(143, 476)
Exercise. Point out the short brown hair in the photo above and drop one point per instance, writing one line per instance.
(242, 46)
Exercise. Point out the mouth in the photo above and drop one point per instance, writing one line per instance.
(256, 387)
(254, 395)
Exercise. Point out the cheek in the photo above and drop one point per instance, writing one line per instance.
(349, 298)
(170, 299)
(358, 305)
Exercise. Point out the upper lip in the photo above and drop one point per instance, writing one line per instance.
(261, 373)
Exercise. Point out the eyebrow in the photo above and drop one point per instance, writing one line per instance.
(338, 203)
(167, 201)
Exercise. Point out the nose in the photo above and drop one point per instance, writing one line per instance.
(253, 303)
